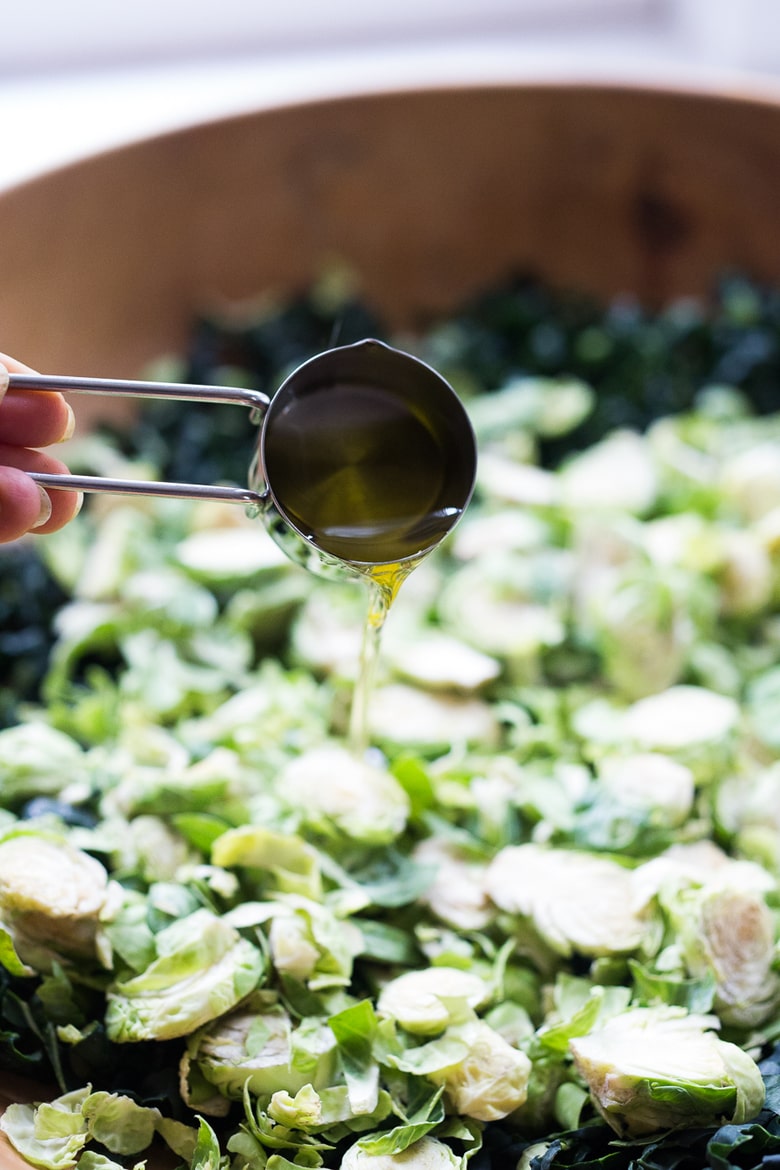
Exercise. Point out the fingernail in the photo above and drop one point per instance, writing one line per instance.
(70, 425)
(45, 511)
(79, 504)
(4, 376)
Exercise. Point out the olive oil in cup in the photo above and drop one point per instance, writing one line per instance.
(366, 461)
(367, 456)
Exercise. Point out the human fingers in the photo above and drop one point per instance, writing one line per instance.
(15, 366)
(23, 504)
(21, 492)
(35, 418)
(31, 418)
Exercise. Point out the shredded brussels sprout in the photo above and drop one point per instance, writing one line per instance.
(540, 914)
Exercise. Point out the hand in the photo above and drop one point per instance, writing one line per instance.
(27, 421)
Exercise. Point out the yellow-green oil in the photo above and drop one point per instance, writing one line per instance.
(373, 479)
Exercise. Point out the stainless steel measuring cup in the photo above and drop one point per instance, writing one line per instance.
(365, 455)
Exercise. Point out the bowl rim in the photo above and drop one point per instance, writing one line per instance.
(758, 90)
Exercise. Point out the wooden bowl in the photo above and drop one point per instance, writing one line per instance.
(428, 194)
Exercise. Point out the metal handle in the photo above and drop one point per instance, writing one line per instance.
(125, 388)
(241, 395)
(143, 487)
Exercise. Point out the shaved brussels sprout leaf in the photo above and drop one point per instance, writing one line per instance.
(53, 1134)
(9, 958)
(203, 969)
(355, 1029)
(654, 1068)
(421, 1121)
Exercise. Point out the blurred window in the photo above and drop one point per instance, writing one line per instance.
(53, 34)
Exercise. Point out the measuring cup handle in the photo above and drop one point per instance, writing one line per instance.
(127, 388)
(133, 487)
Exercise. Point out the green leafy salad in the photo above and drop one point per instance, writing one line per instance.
(537, 925)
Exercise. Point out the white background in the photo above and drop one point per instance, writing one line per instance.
(78, 76)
